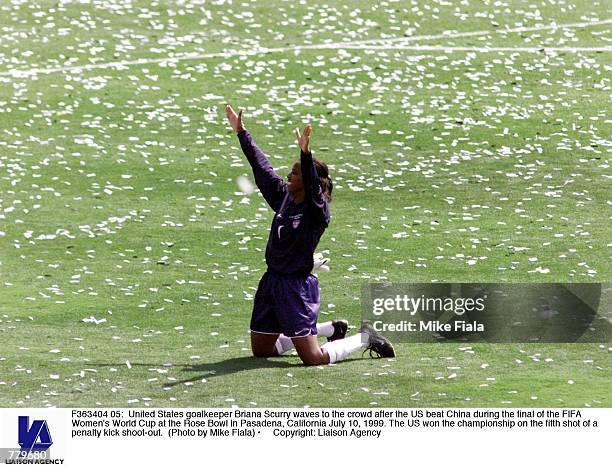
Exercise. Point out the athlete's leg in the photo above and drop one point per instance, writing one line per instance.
(341, 349)
(263, 345)
(309, 351)
(333, 330)
(325, 329)
(265, 328)
(368, 339)
(283, 344)
(331, 352)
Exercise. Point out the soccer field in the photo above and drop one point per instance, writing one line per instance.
(468, 141)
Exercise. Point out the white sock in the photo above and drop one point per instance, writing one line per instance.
(283, 344)
(325, 329)
(340, 349)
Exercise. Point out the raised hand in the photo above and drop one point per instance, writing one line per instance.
(304, 138)
(234, 119)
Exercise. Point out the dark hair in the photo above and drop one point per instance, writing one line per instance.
(326, 183)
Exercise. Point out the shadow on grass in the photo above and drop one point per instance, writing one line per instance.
(235, 365)
(220, 368)
(232, 365)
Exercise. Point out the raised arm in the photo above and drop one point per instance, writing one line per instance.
(313, 194)
(271, 185)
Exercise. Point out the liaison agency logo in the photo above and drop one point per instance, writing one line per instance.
(36, 437)
(28, 438)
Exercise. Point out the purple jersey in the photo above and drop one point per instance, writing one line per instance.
(296, 228)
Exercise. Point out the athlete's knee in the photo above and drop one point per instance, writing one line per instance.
(263, 350)
(314, 359)
(263, 346)
(263, 353)
(311, 362)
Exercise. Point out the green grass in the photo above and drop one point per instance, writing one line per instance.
(118, 197)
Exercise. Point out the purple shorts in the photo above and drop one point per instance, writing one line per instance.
(286, 304)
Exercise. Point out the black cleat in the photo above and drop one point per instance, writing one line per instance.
(340, 328)
(378, 346)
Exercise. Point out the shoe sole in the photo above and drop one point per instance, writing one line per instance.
(373, 331)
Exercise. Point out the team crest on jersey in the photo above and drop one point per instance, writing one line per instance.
(295, 220)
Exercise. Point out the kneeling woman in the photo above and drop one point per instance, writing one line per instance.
(286, 305)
